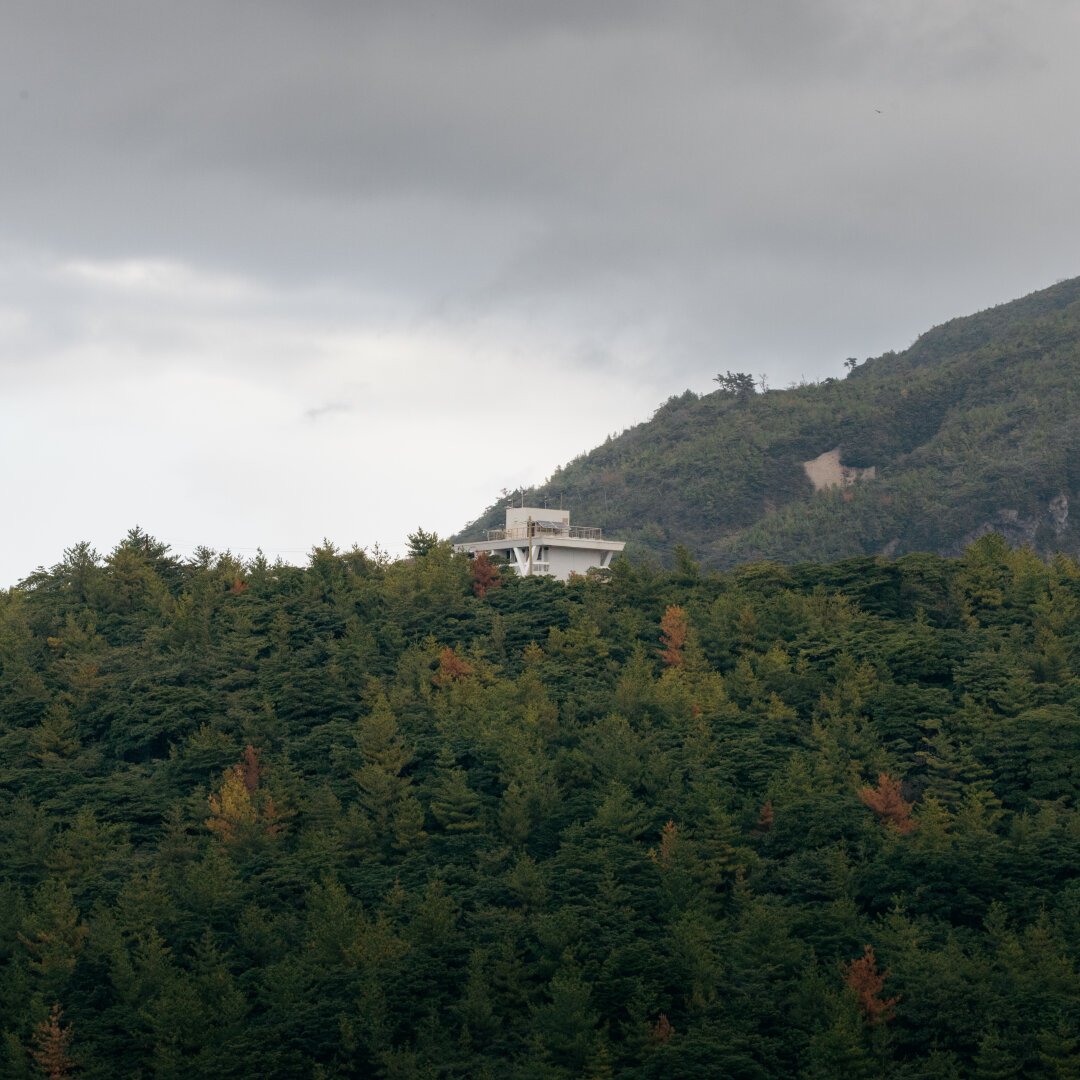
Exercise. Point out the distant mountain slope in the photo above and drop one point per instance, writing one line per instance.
(975, 427)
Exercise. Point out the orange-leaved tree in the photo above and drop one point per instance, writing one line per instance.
(889, 804)
(674, 625)
(862, 976)
(451, 668)
(52, 1041)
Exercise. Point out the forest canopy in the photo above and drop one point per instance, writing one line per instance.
(391, 818)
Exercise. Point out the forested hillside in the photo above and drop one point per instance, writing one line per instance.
(401, 819)
(975, 427)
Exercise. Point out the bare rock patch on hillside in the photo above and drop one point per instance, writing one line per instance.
(825, 471)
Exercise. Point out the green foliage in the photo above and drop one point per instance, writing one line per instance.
(356, 819)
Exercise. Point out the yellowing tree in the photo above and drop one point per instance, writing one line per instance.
(241, 810)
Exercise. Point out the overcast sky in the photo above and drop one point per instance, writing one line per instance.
(272, 272)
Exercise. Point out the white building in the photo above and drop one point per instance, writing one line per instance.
(541, 541)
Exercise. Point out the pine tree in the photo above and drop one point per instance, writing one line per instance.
(862, 976)
(1059, 1052)
(52, 1043)
(53, 934)
(566, 1022)
(994, 1059)
(454, 805)
(839, 1050)
(394, 812)
(673, 628)
(241, 810)
(485, 575)
(890, 806)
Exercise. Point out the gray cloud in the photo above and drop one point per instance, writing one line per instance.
(270, 193)
(330, 408)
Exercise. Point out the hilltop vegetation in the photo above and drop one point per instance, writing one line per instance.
(356, 819)
(975, 427)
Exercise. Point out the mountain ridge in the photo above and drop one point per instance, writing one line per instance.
(973, 428)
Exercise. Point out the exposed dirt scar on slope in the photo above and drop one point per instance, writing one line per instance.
(825, 471)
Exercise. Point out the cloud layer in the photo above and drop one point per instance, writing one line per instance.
(272, 271)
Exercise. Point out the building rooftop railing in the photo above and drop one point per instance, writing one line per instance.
(523, 532)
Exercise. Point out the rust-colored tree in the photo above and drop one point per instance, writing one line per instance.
(451, 668)
(765, 819)
(52, 1041)
(673, 629)
(662, 1030)
(862, 976)
(485, 574)
(889, 804)
(669, 836)
(251, 770)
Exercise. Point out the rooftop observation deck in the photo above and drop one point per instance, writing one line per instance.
(544, 528)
